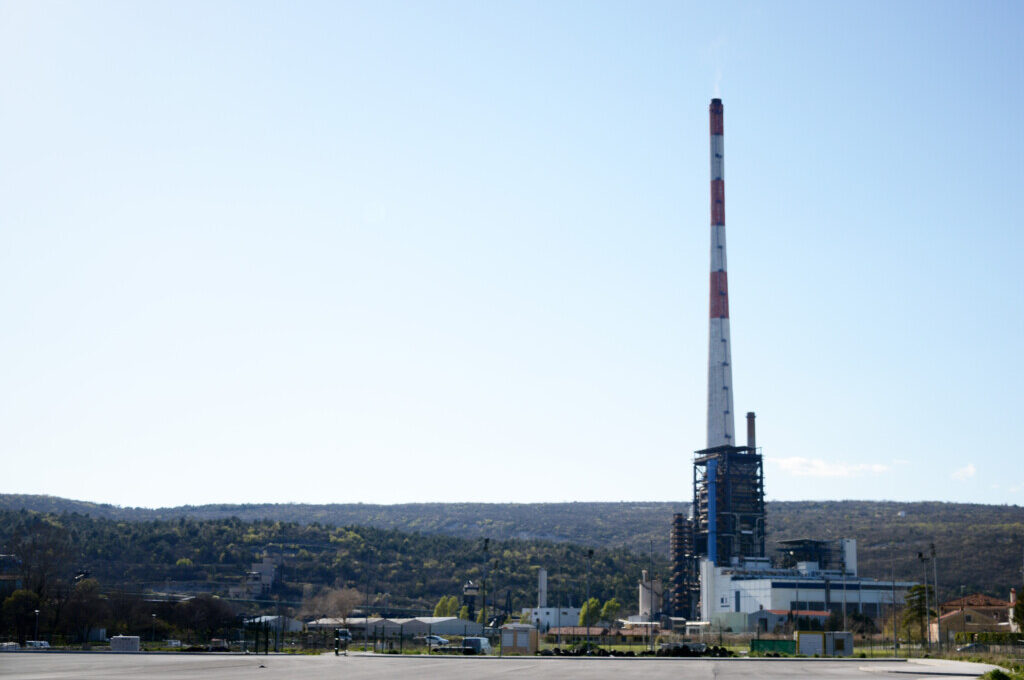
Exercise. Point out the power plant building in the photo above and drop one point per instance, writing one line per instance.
(721, 573)
(732, 596)
(544, 617)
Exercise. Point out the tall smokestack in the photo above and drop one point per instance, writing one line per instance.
(720, 417)
(751, 434)
(542, 588)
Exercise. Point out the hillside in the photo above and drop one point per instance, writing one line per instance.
(978, 546)
(629, 525)
(191, 555)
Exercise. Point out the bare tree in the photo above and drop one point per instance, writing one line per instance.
(335, 603)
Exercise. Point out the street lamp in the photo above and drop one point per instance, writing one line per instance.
(927, 613)
(962, 627)
(152, 628)
(483, 601)
(938, 609)
(590, 557)
(37, 625)
(892, 566)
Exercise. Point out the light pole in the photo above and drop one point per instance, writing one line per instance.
(37, 625)
(152, 629)
(927, 614)
(844, 591)
(892, 565)
(590, 556)
(938, 609)
(561, 591)
(483, 601)
(962, 627)
(650, 628)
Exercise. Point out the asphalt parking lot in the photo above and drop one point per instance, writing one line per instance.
(107, 666)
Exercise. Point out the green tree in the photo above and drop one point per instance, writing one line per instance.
(19, 609)
(448, 605)
(86, 607)
(205, 615)
(610, 610)
(464, 612)
(590, 613)
(916, 613)
(44, 548)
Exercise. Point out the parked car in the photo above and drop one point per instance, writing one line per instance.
(37, 644)
(476, 645)
(343, 634)
(973, 647)
(434, 640)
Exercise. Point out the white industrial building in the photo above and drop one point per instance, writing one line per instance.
(651, 597)
(730, 593)
(547, 618)
(404, 627)
(544, 617)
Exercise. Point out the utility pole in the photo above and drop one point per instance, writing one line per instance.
(650, 628)
(892, 565)
(590, 556)
(962, 627)
(927, 614)
(844, 590)
(483, 588)
(366, 614)
(938, 609)
(561, 591)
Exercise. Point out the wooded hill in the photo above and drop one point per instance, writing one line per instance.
(978, 546)
(194, 555)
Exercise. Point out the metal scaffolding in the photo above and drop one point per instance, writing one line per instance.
(728, 501)
(685, 584)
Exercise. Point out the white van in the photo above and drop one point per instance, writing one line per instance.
(476, 645)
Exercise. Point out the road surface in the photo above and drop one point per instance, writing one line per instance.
(108, 666)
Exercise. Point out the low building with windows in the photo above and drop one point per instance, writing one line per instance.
(975, 613)
(730, 593)
(546, 618)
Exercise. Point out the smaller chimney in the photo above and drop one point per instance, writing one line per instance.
(1013, 596)
(751, 438)
(542, 589)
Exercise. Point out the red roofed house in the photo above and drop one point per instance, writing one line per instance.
(976, 613)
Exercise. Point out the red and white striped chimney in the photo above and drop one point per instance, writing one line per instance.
(720, 417)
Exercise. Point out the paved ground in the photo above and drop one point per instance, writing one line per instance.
(58, 666)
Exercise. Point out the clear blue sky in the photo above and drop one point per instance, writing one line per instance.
(442, 251)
